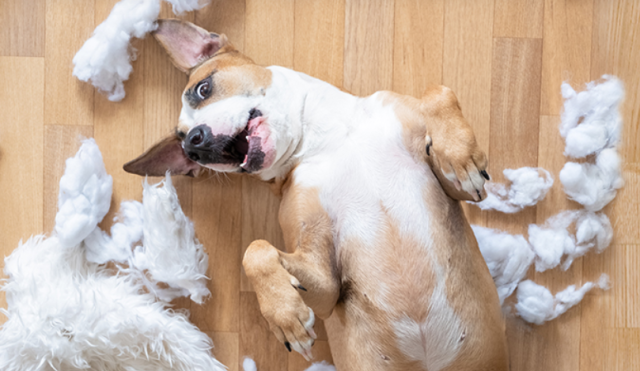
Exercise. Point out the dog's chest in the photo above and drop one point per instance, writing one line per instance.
(367, 179)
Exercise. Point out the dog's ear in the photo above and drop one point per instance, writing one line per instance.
(167, 155)
(187, 44)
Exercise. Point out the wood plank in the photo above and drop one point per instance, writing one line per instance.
(607, 314)
(466, 61)
(22, 136)
(566, 49)
(256, 340)
(22, 32)
(224, 16)
(269, 32)
(616, 50)
(217, 214)
(60, 143)
(564, 332)
(259, 218)
(518, 18)
(225, 348)
(515, 103)
(466, 68)
(319, 39)
(368, 46)
(68, 101)
(417, 45)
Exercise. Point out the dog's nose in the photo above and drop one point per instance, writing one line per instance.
(197, 140)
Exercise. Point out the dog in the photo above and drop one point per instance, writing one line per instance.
(371, 191)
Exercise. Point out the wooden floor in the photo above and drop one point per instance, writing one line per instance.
(504, 59)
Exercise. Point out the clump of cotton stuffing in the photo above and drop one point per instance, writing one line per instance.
(85, 195)
(507, 256)
(537, 305)
(68, 313)
(528, 186)
(591, 119)
(591, 125)
(105, 58)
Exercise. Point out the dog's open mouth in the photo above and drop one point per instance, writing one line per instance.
(246, 147)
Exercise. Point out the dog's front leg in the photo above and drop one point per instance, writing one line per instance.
(451, 147)
(288, 286)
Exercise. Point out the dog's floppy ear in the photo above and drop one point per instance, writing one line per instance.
(167, 155)
(187, 44)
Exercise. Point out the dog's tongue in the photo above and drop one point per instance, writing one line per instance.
(255, 156)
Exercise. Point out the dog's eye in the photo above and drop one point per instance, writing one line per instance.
(203, 89)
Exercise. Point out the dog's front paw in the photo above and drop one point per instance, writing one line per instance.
(292, 323)
(460, 166)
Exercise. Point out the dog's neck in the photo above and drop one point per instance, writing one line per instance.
(318, 115)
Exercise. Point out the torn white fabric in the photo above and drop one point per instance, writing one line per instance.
(528, 186)
(249, 364)
(507, 256)
(593, 185)
(67, 313)
(171, 253)
(591, 119)
(537, 305)
(105, 58)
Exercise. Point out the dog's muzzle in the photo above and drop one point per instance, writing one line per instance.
(203, 147)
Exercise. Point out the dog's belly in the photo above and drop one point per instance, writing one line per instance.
(416, 293)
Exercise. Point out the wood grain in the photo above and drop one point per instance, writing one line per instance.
(615, 50)
(21, 152)
(504, 59)
(566, 49)
(23, 28)
(69, 24)
(269, 30)
(515, 103)
(368, 51)
(417, 45)
(319, 39)
(518, 18)
(466, 68)
(217, 212)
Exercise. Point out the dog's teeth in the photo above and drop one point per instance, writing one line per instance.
(247, 138)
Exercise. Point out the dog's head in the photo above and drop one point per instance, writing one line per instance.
(226, 123)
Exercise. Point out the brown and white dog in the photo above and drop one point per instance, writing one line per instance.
(383, 251)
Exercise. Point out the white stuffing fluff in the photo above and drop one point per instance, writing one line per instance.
(507, 256)
(85, 195)
(553, 241)
(537, 305)
(591, 124)
(591, 119)
(249, 364)
(106, 57)
(170, 253)
(528, 186)
(67, 313)
(593, 185)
